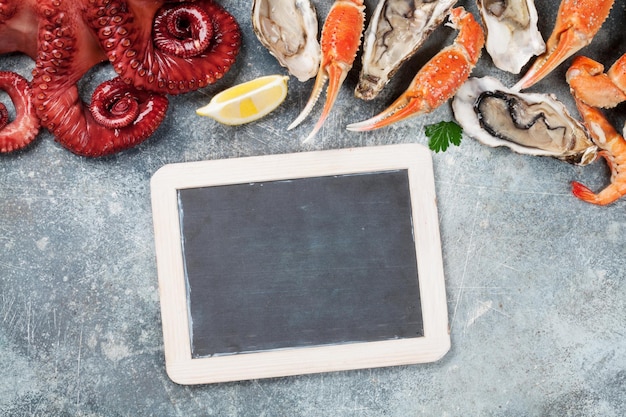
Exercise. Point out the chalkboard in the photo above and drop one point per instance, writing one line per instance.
(340, 248)
(289, 264)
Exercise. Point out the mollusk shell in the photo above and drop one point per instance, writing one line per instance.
(395, 32)
(532, 124)
(289, 29)
(512, 34)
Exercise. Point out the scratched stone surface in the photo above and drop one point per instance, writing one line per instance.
(535, 281)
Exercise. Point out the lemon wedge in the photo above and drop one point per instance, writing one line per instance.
(247, 102)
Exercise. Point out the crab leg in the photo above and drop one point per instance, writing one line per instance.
(595, 87)
(577, 23)
(439, 79)
(613, 150)
(340, 40)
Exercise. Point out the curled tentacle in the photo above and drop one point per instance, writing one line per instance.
(119, 118)
(183, 31)
(113, 106)
(196, 43)
(121, 115)
(18, 133)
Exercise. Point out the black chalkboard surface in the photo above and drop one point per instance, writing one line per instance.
(289, 264)
(340, 248)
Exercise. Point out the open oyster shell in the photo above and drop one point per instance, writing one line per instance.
(396, 30)
(512, 34)
(532, 124)
(289, 29)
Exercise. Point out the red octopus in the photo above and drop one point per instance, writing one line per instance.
(156, 48)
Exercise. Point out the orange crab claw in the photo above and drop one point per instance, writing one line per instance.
(577, 23)
(439, 79)
(340, 41)
(594, 87)
(613, 151)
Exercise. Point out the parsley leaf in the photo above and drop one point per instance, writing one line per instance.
(441, 134)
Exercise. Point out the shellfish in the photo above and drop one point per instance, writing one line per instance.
(576, 24)
(340, 41)
(512, 34)
(594, 87)
(612, 145)
(439, 78)
(532, 124)
(613, 150)
(396, 30)
(288, 29)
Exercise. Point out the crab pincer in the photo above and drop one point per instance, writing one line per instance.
(439, 79)
(576, 24)
(340, 41)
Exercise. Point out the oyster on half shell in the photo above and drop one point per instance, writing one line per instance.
(532, 124)
(289, 29)
(512, 34)
(396, 30)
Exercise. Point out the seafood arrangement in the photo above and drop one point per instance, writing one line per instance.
(578, 21)
(439, 79)
(177, 47)
(488, 111)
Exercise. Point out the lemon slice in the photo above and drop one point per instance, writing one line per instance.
(248, 101)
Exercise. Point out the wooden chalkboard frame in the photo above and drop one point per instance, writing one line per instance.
(182, 368)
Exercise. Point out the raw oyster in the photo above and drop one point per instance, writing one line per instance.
(396, 30)
(533, 124)
(289, 29)
(512, 34)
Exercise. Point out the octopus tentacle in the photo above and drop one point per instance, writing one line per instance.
(197, 43)
(183, 31)
(4, 116)
(20, 132)
(157, 47)
(121, 116)
(114, 106)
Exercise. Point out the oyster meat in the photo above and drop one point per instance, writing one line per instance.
(396, 30)
(289, 29)
(512, 34)
(532, 124)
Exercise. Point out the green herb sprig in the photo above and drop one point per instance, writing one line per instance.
(441, 135)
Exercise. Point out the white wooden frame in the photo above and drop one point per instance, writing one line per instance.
(184, 369)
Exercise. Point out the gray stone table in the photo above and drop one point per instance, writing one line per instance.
(535, 278)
